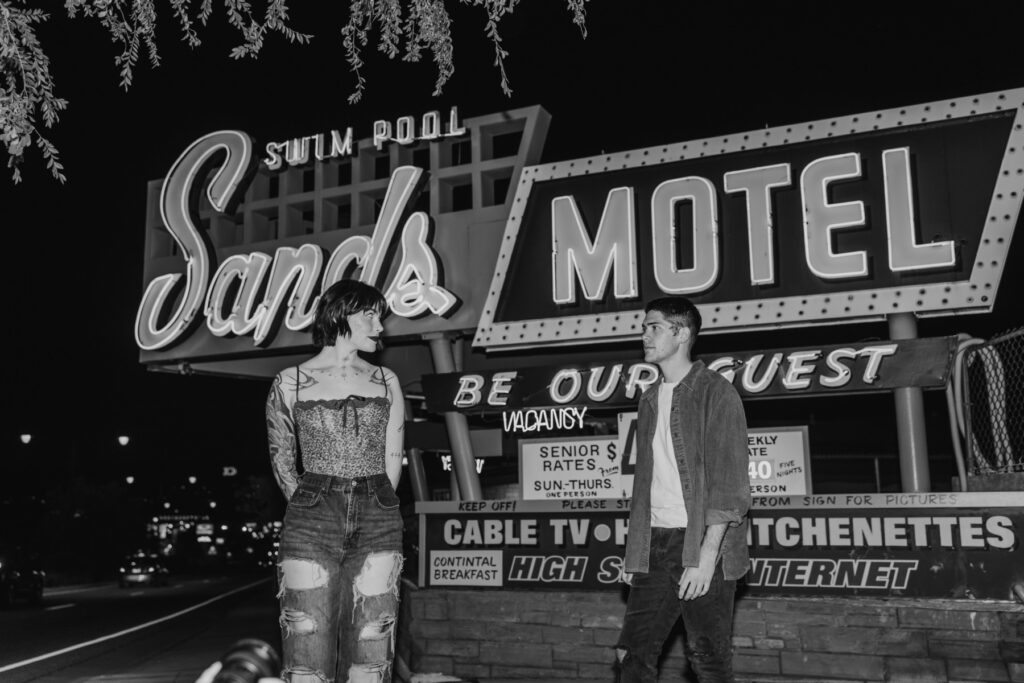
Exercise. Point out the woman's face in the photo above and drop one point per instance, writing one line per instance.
(366, 328)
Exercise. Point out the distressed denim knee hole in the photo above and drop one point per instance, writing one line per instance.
(375, 602)
(297, 622)
(378, 628)
(375, 644)
(379, 574)
(297, 574)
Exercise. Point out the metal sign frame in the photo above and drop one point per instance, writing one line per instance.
(976, 295)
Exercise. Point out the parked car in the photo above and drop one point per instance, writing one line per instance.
(143, 569)
(20, 577)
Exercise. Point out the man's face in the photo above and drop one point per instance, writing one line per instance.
(662, 338)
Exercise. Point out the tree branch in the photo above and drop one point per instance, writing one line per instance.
(27, 86)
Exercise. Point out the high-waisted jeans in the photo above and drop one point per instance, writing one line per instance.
(340, 561)
(654, 606)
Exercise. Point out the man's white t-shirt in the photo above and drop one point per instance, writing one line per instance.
(667, 506)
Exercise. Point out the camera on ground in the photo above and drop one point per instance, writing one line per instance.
(248, 661)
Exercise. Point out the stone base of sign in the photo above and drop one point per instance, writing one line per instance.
(492, 636)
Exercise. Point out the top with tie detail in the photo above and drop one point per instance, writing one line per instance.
(343, 437)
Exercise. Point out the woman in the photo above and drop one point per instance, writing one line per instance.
(340, 554)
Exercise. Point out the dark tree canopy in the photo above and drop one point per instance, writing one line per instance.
(406, 29)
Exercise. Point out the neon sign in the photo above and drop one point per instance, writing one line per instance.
(149, 332)
(576, 258)
(834, 369)
(909, 210)
(249, 292)
(296, 151)
(543, 419)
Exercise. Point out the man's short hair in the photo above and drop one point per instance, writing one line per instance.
(678, 310)
(341, 300)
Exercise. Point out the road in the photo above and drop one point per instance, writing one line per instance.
(148, 634)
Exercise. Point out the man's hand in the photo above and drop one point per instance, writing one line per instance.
(696, 581)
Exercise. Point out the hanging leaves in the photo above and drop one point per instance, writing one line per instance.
(27, 89)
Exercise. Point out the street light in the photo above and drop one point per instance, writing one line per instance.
(191, 480)
(123, 440)
(26, 438)
(129, 479)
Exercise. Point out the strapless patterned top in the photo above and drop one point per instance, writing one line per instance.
(343, 437)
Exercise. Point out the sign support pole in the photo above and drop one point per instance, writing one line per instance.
(463, 463)
(417, 474)
(910, 422)
(453, 484)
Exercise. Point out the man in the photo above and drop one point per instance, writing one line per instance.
(687, 542)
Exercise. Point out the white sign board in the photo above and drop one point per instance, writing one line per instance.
(465, 568)
(780, 463)
(570, 467)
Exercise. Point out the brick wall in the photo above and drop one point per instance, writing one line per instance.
(564, 636)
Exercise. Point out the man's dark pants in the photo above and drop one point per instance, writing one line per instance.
(654, 606)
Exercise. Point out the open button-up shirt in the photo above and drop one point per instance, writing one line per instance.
(709, 434)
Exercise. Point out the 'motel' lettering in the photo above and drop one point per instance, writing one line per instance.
(612, 253)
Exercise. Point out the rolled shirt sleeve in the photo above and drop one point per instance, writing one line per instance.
(728, 482)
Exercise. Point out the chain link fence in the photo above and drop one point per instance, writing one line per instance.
(994, 404)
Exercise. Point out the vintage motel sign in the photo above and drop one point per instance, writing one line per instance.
(907, 210)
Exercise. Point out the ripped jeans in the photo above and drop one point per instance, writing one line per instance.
(653, 607)
(340, 561)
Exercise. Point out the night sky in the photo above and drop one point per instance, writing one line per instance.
(657, 73)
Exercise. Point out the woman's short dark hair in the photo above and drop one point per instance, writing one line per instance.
(339, 301)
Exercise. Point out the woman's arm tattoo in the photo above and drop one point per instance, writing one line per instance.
(281, 440)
